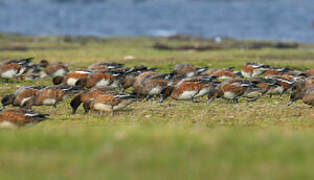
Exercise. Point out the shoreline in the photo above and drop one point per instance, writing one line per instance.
(176, 42)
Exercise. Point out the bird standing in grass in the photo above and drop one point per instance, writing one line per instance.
(100, 79)
(71, 78)
(232, 90)
(150, 84)
(53, 69)
(12, 118)
(109, 102)
(13, 68)
(188, 89)
(21, 97)
(87, 96)
(304, 92)
(253, 69)
(52, 95)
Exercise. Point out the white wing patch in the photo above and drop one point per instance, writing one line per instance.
(103, 82)
(72, 81)
(186, 95)
(49, 101)
(60, 72)
(9, 73)
(155, 91)
(229, 95)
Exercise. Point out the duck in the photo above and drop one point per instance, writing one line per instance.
(14, 118)
(269, 73)
(150, 84)
(53, 69)
(100, 79)
(232, 90)
(187, 70)
(87, 96)
(250, 69)
(51, 95)
(273, 86)
(264, 84)
(108, 102)
(21, 96)
(282, 85)
(32, 72)
(137, 85)
(13, 68)
(22, 61)
(71, 78)
(129, 77)
(223, 74)
(294, 74)
(303, 92)
(188, 89)
(105, 66)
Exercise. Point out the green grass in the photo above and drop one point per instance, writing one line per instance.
(174, 140)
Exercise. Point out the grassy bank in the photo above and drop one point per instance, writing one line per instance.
(181, 140)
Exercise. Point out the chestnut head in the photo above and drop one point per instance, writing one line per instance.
(165, 93)
(43, 63)
(81, 82)
(7, 100)
(57, 80)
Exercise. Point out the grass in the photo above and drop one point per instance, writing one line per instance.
(179, 140)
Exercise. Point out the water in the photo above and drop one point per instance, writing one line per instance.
(285, 20)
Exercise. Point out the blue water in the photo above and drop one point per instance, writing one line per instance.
(285, 20)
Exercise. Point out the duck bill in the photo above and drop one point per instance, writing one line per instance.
(210, 100)
(162, 99)
(290, 102)
(2, 108)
